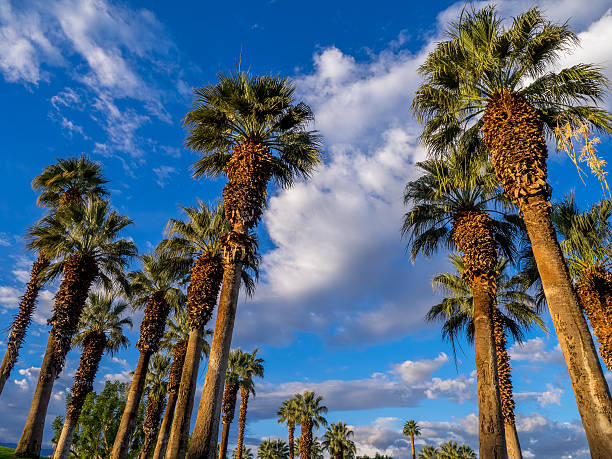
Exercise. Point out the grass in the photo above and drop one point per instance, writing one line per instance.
(6, 453)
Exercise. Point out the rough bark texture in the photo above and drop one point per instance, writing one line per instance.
(473, 235)
(150, 427)
(595, 293)
(174, 381)
(514, 138)
(202, 294)
(79, 273)
(244, 401)
(305, 438)
(94, 345)
(291, 428)
(22, 320)
(505, 387)
(151, 331)
(228, 407)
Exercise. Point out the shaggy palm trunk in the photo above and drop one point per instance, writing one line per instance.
(94, 345)
(505, 387)
(595, 293)
(291, 429)
(151, 331)
(150, 427)
(305, 438)
(174, 380)
(244, 401)
(513, 134)
(228, 407)
(22, 320)
(79, 273)
(473, 235)
(248, 172)
(202, 294)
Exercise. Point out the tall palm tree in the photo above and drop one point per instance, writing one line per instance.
(587, 247)
(154, 287)
(337, 441)
(175, 340)
(199, 239)
(249, 128)
(452, 205)
(230, 394)
(60, 184)
(412, 429)
(84, 239)
(157, 387)
(288, 413)
(100, 330)
(492, 84)
(519, 314)
(316, 449)
(310, 415)
(273, 449)
(250, 367)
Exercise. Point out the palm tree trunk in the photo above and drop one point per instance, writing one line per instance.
(93, 348)
(155, 407)
(412, 446)
(128, 419)
(291, 428)
(244, 401)
(22, 320)
(224, 439)
(305, 439)
(590, 387)
(79, 273)
(228, 407)
(203, 442)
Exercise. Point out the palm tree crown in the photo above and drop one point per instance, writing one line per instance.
(273, 449)
(310, 409)
(337, 440)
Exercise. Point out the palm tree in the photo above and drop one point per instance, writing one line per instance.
(154, 288)
(429, 452)
(246, 453)
(520, 314)
(251, 129)
(453, 450)
(587, 247)
(198, 238)
(288, 413)
(84, 179)
(250, 366)
(101, 330)
(316, 449)
(84, 239)
(175, 340)
(492, 84)
(451, 206)
(230, 393)
(412, 429)
(273, 449)
(337, 441)
(310, 415)
(157, 387)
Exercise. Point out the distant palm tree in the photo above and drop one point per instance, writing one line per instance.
(251, 129)
(453, 203)
(288, 413)
(587, 247)
(429, 452)
(230, 393)
(338, 442)
(101, 330)
(155, 288)
(250, 367)
(273, 449)
(84, 239)
(412, 429)
(519, 315)
(453, 450)
(157, 387)
(70, 180)
(246, 453)
(493, 83)
(310, 415)
(175, 340)
(199, 239)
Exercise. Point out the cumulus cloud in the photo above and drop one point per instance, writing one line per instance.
(535, 350)
(420, 370)
(551, 396)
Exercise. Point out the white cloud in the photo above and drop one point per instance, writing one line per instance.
(44, 306)
(123, 376)
(418, 371)
(9, 297)
(21, 275)
(163, 174)
(535, 350)
(551, 396)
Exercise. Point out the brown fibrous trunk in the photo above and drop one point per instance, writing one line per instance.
(291, 429)
(150, 426)
(244, 401)
(305, 438)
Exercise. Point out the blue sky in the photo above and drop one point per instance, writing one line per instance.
(340, 307)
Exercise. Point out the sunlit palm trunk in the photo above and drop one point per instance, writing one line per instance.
(22, 320)
(412, 446)
(291, 429)
(203, 442)
(244, 401)
(305, 438)
(589, 385)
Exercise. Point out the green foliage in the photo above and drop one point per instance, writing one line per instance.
(309, 407)
(99, 422)
(246, 453)
(338, 438)
(273, 449)
(378, 456)
(411, 428)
